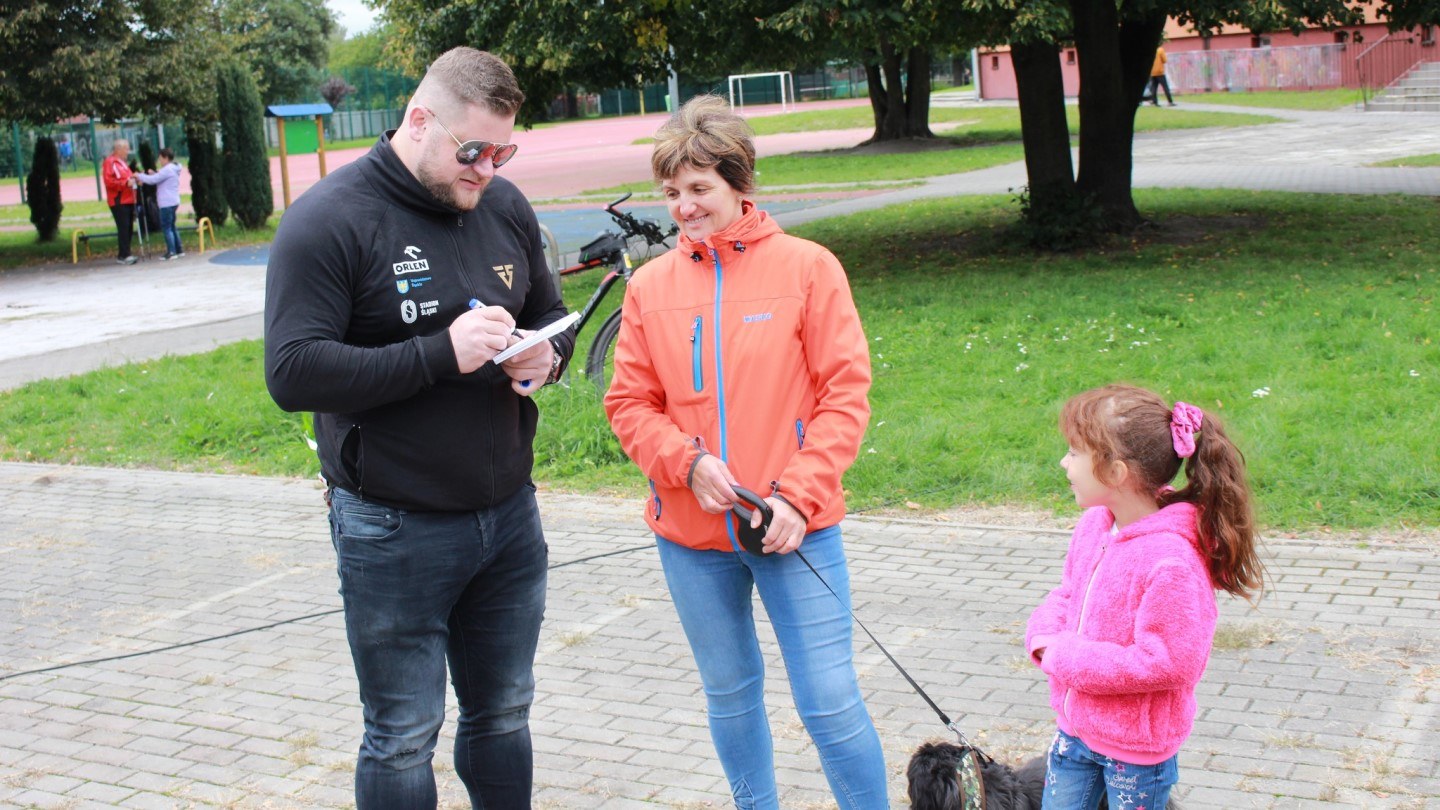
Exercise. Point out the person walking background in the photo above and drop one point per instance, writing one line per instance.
(1158, 79)
(166, 181)
(120, 195)
(392, 285)
(741, 362)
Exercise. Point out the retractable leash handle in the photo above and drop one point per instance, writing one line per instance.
(752, 540)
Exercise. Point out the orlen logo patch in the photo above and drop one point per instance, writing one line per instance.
(414, 265)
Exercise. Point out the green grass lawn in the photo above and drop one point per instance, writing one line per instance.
(1281, 99)
(1305, 321)
(985, 137)
(1412, 160)
(988, 124)
(22, 249)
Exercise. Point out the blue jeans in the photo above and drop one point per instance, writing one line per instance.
(167, 227)
(712, 593)
(423, 587)
(1077, 777)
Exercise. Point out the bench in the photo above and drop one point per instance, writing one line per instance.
(79, 236)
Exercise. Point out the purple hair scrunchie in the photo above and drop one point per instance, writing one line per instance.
(1184, 424)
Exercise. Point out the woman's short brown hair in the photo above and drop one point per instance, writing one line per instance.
(705, 133)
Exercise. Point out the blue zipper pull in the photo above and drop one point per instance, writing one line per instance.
(695, 370)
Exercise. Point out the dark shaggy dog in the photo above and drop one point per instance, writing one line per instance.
(935, 786)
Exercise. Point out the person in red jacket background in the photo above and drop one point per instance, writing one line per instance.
(120, 195)
(741, 362)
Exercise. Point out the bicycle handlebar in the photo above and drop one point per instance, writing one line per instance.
(648, 229)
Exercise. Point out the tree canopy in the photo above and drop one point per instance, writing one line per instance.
(285, 42)
(154, 58)
(111, 59)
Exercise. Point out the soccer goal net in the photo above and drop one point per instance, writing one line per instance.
(787, 88)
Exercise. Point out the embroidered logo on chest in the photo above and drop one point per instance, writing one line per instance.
(506, 272)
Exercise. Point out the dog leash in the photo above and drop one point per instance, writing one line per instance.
(752, 540)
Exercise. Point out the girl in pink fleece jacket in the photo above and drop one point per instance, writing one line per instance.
(1126, 636)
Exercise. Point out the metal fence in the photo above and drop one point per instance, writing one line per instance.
(1302, 67)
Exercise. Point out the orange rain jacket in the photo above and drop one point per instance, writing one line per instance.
(746, 345)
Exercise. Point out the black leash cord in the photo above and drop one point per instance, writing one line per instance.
(945, 719)
(269, 626)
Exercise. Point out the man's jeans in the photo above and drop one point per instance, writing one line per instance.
(712, 593)
(421, 587)
(167, 227)
(1077, 777)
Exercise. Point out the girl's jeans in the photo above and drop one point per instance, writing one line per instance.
(712, 593)
(1077, 777)
(424, 588)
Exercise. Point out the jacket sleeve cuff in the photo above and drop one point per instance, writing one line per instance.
(437, 356)
(690, 474)
(1041, 642)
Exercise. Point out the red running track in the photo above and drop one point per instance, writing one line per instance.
(557, 161)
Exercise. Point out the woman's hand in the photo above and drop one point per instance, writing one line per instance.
(787, 527)
(712, 485)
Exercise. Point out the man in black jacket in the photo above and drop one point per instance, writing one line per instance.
(392, 286)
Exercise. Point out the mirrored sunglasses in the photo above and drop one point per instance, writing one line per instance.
(471, 152)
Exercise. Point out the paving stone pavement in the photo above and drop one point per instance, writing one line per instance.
(1326, 695)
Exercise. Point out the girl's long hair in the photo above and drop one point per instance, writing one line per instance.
(1132, 425)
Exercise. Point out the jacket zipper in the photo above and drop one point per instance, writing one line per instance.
(720, 377)
(655, 497)
(695, 350)
(799, 434)
(1080, 626)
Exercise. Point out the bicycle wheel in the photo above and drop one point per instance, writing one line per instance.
(601, 360)
(552, 254)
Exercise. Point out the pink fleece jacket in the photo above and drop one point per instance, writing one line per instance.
(1127, 634)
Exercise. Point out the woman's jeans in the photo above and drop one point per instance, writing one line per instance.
(423, 587)
(1077, 777)
(167, 227)
(712, 593)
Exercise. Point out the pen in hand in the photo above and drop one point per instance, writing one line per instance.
(475, 303)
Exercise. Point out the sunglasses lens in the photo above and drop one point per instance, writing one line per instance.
(503, 153)
(469, 152)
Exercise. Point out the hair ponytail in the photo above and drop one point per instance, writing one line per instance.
(1215, 477)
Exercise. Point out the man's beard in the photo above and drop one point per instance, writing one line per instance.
(444, 191)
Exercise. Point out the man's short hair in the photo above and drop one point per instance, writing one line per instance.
(167, 153)
(705, 133)
(466, 76)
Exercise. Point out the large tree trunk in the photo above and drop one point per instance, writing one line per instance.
(878, 100)
(917, 94)
(1109, 90)
(1043, 128)
(899, 114)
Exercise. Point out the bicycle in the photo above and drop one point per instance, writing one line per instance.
(611, 249)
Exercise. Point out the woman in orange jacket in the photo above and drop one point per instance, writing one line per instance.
(741, 362)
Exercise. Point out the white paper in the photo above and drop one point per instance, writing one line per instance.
(545, 333)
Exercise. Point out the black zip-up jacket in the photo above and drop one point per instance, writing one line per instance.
(367, 272)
